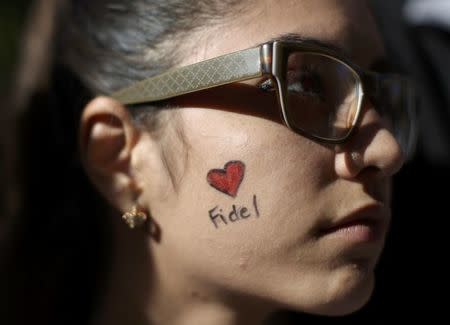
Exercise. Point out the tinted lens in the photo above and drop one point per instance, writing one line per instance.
(322, 95)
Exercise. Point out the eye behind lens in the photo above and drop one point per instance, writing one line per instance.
(322, 95)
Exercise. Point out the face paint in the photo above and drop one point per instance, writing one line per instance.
(229, 179)
(236, 213)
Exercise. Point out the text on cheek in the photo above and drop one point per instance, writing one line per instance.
(220, 217)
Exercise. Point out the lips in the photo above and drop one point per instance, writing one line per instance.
(371, 219)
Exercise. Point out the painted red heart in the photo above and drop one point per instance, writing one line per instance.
(229, 179)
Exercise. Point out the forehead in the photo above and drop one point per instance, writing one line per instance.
(347, 24)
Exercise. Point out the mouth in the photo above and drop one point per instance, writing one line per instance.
(362, 225)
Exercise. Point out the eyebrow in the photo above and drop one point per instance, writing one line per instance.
(380, 64)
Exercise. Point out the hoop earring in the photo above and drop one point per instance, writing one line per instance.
(134, 218)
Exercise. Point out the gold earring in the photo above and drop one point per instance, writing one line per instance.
(134, 217)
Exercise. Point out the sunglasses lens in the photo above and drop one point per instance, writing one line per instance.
(322, 95)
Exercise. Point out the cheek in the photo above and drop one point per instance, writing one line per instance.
(247, 182)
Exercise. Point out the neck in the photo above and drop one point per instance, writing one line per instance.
(144, 289)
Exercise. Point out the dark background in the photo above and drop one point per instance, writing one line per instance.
(12, 15)
(412, 277)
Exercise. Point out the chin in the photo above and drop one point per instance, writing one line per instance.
(337, 291)
(349, 291)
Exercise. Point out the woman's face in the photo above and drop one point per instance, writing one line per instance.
(246, 207)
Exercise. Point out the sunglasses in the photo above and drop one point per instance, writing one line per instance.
(320, 94)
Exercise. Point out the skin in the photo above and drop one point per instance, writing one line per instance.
(194, 273)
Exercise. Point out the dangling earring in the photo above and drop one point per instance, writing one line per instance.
(134, 217)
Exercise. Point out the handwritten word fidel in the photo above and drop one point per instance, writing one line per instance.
(236, 213)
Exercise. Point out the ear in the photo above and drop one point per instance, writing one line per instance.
(107, 140)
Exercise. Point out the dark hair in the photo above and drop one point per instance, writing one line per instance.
(56, 251)
(109, 45)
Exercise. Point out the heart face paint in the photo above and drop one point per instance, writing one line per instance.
(229, 179)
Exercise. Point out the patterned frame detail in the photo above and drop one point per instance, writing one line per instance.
(211, 73)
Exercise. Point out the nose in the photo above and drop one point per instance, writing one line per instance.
(371, 146)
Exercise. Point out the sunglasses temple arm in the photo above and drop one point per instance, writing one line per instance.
(234, 67)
